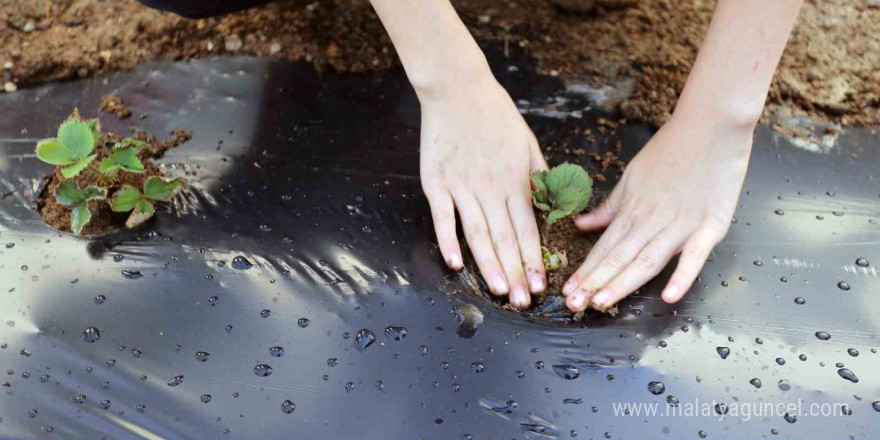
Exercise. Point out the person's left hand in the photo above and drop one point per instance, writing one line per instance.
(677, 195)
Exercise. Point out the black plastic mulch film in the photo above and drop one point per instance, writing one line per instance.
(313, 179)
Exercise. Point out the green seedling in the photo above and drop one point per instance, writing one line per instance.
(70, 195)
(124, 158)
(129, 198)
(72, 148)
(562, 192)
(554, 260)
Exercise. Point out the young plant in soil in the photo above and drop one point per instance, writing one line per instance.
(89, 167)
(560, 193)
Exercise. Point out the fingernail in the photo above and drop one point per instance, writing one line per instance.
(579, 301)
(570, 285)
(499, 285)
(537, 283)
(601, 299)
(454, 260)
(671, 293)
(518, 297)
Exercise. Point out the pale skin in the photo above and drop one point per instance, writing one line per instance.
(677, 195)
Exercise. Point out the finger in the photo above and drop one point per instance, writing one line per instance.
(538, 163)
(523, 218)
(650, 261)
(443, 214)
(620, 256)
(504, 240)
(693, 256)
(602, 216)
(476, 232)
(615, 232)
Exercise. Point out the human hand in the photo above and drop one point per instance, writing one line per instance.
(677, 195)
(477, 154)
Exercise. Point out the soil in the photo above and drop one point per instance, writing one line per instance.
(112, 103)
(645, 47)
(104, 220)
(566, 237)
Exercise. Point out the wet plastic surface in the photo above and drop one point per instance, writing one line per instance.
(304, 228)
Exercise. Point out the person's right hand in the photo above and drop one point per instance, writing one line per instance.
(477, 154)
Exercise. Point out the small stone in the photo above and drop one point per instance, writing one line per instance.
(7, 65)
(274, 48)
(233, 43)
(9, 87)
(29, 26)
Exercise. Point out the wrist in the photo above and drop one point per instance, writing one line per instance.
(450, 77)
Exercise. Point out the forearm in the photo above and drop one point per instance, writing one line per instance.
(731, 76)
(435, 47)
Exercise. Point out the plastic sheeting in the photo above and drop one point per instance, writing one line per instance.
(304, 248)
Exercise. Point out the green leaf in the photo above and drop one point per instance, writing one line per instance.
(76, 136)
(74, 170)
(566, 203)
(568, 175)
(125, 199)
(52, 152)
(79, 217)
(542, 206)
(68, 193)
(142, 212)
(123, 159)
(93, 192)
(133, 142)
(161, 189)
(95, 128)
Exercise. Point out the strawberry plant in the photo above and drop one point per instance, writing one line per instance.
(562, 192)
(75, 149)
(129, 198)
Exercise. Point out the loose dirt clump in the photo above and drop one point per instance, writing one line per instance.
(112, 103)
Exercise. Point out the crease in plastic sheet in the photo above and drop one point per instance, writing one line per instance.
(313, 179)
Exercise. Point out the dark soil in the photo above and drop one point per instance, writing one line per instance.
(646, 47)
(566, 237)
(104, 220)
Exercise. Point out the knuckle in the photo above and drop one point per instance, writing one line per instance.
(503, 239)
(614, 259)
(648, 261)
(475, 231)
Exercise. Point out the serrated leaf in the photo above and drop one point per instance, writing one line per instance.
(79, 217)
(160, 189)
(142, 212)
(93, 192)
(76, 136)
(123, 159)
(95, 127)
(133, 142)
(565, 203)
(568, 175)
(68, 193)
(542, 206)
(539, 194)
(52, 152)
(555, 216)
(125, 199)
(74, 170)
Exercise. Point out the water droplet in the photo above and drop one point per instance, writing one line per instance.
(91, 334)
(276, 351)
(203, 356)
(303, 322)
(721, 408)
(755, 382)
(364, 339)
(423, 349)
(25, 352)
(100, 299)
(780, 361)
(332, 362)
(396, 333)
(852, 352)
(229, 328)
(380, 385)
(847, 374)
(205, 398)
(287, 407)
(241, 263)
(802, 357)
(136, 352)
(784, 385)
(758, 263)
(105, 404)
(823, 336)
(175, 381)
(539, 365)
(118, 257)
(779, 212)
(672, 400)
(723, 352)
(80, 399)
(262, 370)
(862, 262)
(567, 372)
(843, 285)
(800, 301)
(702, 434)
(44, 378)
(478, 367)
(876, 405)
(140, 408)
(656, 387)
(132, 274)
(790, 418)
(662, 344)
(349, 387)
(265, 228)
(265, 313)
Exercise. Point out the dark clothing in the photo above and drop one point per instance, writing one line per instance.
(202, 8)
